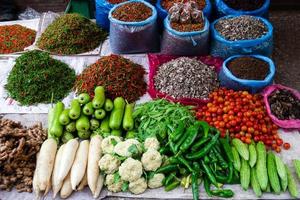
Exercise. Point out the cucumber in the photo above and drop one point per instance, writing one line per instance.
(116, 116)
(104, 126)
(75, 109)
(83, 123)
(297, 167)
(88, 109)
(50, 120)
(236, 159)
(261, 166)
(99, 114)
(252, 155)
(64, 118)
(108, 105)
(281, 172)
(66, 137)
(116, 133)
(128, 122)
(99, 97)
(84, 98)
(272, 172)
(56, 128)
(245, 175)
(71, 127)
(254, 183)
(292, 186)
(241, 148)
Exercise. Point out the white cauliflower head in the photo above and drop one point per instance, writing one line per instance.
(139, 186)
(131, 170)
(151, 143)
(109, 164)
(156, 181)
(109, 143)
(151, 160)
(128, 148)
(112, 185)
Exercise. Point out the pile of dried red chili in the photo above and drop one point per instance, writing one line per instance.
(243, 115)
(119, 76)
(14, 38)
(132, 12)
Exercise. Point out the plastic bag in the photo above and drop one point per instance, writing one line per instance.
(102, 9)
(157, 60)
(228, 80)
(288, 124)
(222, 10)
(134, 37)
(162, 13)
(185, 43)
(29, 13)
(224, 48)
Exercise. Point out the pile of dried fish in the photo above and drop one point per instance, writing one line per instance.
(186, 78)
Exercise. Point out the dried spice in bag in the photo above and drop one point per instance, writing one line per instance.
(115, 1)
(14, 38)
(245, 5)
(119, 76)
(71, 34)
(132, 12)
(38, 78)
(167, 4)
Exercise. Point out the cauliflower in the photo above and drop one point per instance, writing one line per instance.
(151, 160)
(151, 143)
(139, 186)
(109, 164)
(128, 148)
(112, 185)
(131, 170)
(109, 143)
(156, 180)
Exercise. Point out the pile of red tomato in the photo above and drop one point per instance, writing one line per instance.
(243, 115)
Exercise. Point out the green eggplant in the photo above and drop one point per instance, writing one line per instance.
(84, 98)
(75, 109)
(88, 109)
(99, 98)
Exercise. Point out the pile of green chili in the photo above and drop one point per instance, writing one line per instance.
(38, 78)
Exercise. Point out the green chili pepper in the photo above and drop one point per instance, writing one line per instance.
(205, 150)
(167, 168)
(172, 185)
(184, 162)
(195, 186)
(225, 178)
(221, 160)
(179, 131)
(207, 186)
(173, 160)
(210, 174)
(183, 171)
(198, 144)
(205, 127)
(196, 167)
(192, 134)
(172, 146)
(164, 150)
(206, 159)
(227, 148)
(182, 139)
(225, 193)
(170, 178)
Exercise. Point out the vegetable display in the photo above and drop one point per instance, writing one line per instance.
(38, 78)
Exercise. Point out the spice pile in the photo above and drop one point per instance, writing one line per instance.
(120, 77)
(241, 28)
(243, 115)
(18, 148)
(14, 38)
(132, 12)
(284, 105)
(250, 68)
(245, 5)
(167, 4)
(186, 78)
(186, 17)
(71, 34)
(38, 78)
(115, 1)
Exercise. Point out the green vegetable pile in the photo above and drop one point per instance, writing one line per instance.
(263, 171)
(38, 78)
(99, 115)
(71, 34)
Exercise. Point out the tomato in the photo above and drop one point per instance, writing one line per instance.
(279, 142)
(286, 146)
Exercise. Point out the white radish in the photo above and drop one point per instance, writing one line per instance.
(56, 185)
(66, 189)
(47, 188)
(79, 166)
(67, 159)
(45, 163)
(95, 154)
(35, 185)
(83, 183)
(99, 186)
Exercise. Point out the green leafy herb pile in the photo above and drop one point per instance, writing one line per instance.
(38, 78)
(160, 117)
(71, 34)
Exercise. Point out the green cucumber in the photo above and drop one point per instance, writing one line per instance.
(83, 123)
(99, 98)
(252, 155)
(281, 172)
(84, 98)
(245, 175)
(104, 126)
(100, 114)
(75, 109)
(254, 183)
(64, 118)
(297, 167)
(128, 122)
(56, 128)
(261, 165)
(108, 105)
(236, 159)
(88, 109)
(50, 120)
(272, 173)
(241, 148)
(116, 116)
(71, 127)
(292, 186)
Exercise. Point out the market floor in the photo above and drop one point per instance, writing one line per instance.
(286, 53)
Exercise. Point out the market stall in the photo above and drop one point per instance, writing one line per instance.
(162, 120)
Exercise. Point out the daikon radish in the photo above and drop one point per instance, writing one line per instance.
(46, 162)
(99, 186)
(79, 165)
(94, 156)
(35, 185)
(83, 183)
(48, 187)
(66, 189)
(56, 185)
(67, 158)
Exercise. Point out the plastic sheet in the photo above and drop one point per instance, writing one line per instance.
(185, 43)
(224, 48)
(157, 60)
(134, 37)
(287, 124)
(222, 10)
(228, 80)
(102, 9)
